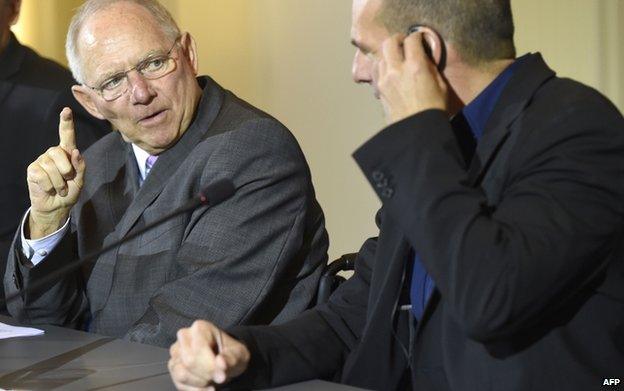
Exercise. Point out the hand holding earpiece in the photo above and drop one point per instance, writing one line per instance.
(407, 79)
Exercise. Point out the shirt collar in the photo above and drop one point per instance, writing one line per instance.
(479, 110)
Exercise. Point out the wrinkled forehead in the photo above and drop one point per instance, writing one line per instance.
(114, 38)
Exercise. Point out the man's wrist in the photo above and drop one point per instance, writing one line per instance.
(43, 224)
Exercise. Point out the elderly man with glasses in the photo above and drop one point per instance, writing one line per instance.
(253, 259)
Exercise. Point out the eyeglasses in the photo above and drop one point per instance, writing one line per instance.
(151, 68)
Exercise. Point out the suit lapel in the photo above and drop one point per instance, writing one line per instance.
(169, 161)
(378, 356)
(393, 277)
(124, 188)
(514, 98)
(121, 179)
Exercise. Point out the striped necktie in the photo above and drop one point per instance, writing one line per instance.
(149, 163)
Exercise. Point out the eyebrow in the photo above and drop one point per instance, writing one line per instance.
(149, 55)
(360, 46)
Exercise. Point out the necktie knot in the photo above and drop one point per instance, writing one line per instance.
(149, 163)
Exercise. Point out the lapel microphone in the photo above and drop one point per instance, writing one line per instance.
(210, 196)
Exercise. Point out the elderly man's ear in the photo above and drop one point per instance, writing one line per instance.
(189, 51)
(83, 95)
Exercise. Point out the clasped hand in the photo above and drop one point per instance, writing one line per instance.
(204, 356)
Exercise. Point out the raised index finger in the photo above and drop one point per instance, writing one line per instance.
(67, 134)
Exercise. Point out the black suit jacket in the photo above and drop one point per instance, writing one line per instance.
(524, 245)
(33, 91)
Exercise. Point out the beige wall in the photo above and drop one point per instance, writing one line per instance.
(581, 39)
(43, 25)
(292, 58)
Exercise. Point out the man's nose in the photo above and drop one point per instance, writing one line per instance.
(362, 68)
(140, 89)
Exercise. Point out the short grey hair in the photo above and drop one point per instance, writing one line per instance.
(482, 30)
(159, 12)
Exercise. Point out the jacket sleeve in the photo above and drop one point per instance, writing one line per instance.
(501, 263)
(316, 344)
(61, 302)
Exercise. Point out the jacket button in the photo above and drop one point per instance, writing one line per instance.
(377, 175)
(382, 183)
(387, 192)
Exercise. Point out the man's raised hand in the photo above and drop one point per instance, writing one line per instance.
(54, 181)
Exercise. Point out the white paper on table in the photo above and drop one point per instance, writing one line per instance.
(8, 331)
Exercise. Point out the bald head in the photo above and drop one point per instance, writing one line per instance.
(124, 44)
(103, 14)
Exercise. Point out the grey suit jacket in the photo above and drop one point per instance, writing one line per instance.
(253, 259)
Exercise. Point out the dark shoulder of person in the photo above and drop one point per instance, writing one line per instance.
(40, 72)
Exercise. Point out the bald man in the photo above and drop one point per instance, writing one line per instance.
(255, 258)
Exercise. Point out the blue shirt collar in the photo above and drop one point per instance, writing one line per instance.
(479, 110)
